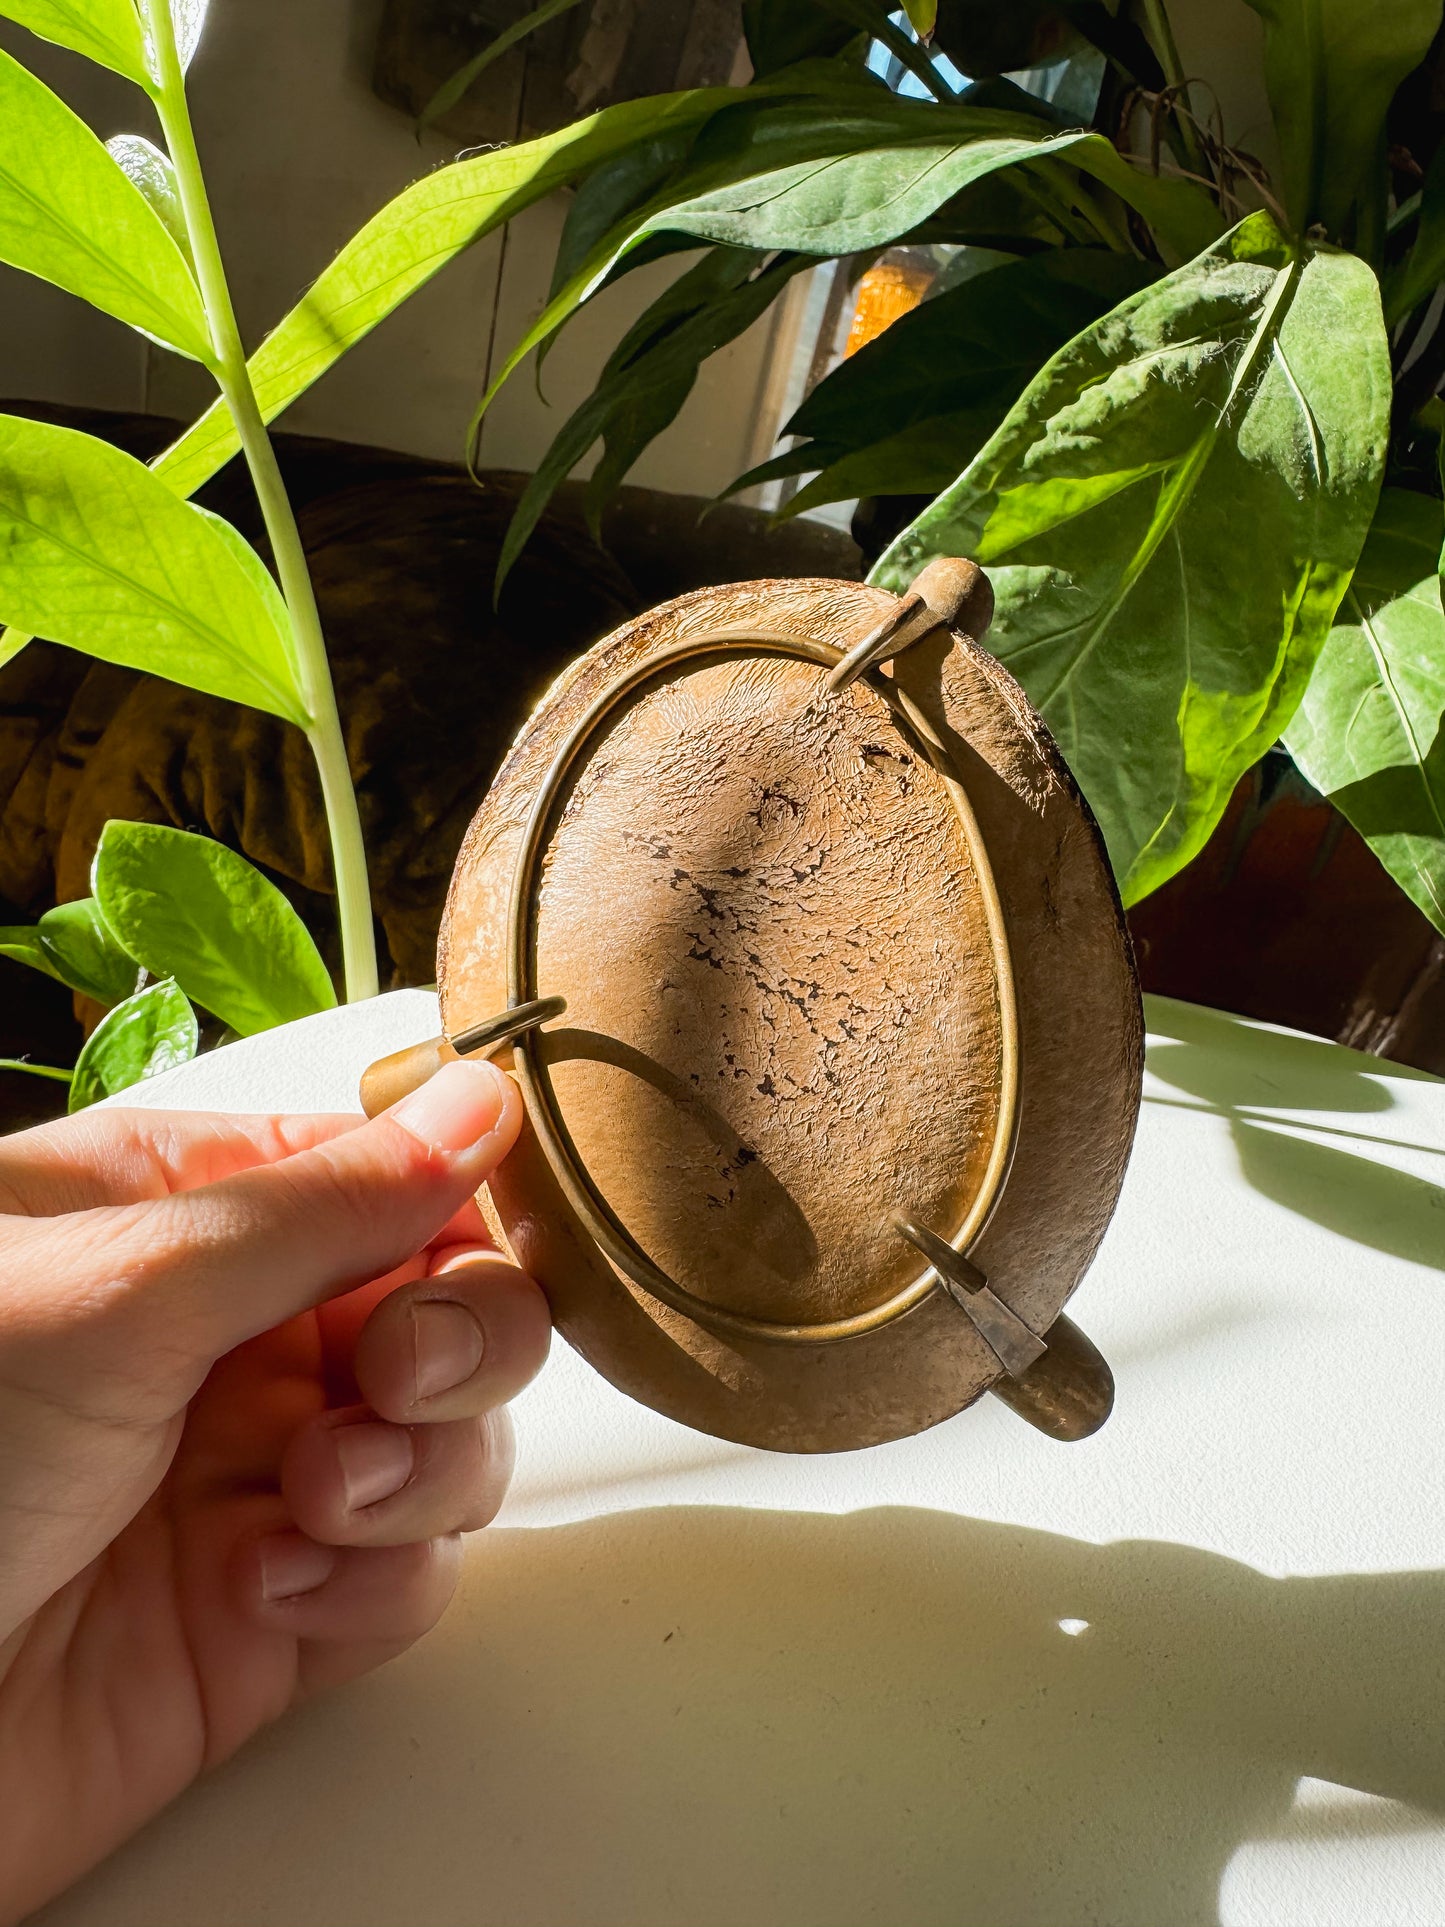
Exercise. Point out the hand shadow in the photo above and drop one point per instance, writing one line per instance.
(698, 1717)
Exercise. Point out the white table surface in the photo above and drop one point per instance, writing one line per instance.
(1190, 1671)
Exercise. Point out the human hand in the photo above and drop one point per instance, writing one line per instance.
(253, 1374)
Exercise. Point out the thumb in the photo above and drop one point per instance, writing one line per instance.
(222, 1263)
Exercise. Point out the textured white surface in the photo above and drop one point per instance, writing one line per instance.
(1191, 1671)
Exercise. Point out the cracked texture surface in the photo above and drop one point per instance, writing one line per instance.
(768, 899)
(744, 873)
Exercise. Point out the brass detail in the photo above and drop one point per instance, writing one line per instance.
(390, 1079)
(508, 1025)
(949, 593)
(1069, 1393)
(1002, 1330)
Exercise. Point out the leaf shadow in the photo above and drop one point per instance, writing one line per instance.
(1291, 1159)
(1358, 1198)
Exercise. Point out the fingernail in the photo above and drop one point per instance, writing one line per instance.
(376, 1460)
(456, 1107)
(292, 1565)
(447, 1346)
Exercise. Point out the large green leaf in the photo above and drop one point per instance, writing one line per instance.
(1370, 732)
(69, 214)
(75, 944)
(1170, 514)
(104, 30)
(151, 1032)
(1332, 67)
(99, 555)
(845, 203)
(189, 908)
(907, 413)
(855, 169)
(412, 238)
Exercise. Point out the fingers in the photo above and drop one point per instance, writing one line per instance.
(116, 1156)
(431, 1450)
(352, 1479)
(207, 1269)
(364, 1605)
(453, 1345)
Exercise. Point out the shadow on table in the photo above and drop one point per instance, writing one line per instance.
(1303, 1164)
(682, 1717)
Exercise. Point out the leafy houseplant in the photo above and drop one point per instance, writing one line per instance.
(1170, 469)
(195, 919)
(1162, 417)
(102, 553)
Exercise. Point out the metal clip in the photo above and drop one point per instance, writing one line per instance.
(950, 593)
(389, 1079)
(1003, 1331)
(493, 1032)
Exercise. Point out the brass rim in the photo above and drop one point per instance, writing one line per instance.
(543, 1109)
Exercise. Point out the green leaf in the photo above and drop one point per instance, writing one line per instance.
(628, 429)
(922, 14)
(431, 222)
(923, 459)
(74, 944)
(151, 173)
(69, 215)
(1170, 514)
(86, 953)
(98, 554)
(405, 244)
(104, 30)
(191, 909)
(53, 1071)
(610, 192)
(1332, 67)
(452, 90)
(849, 195)
(845, 203)
(1370, 732)
(962, 357)
(149, 1033)
(637, 397)
(21, 941)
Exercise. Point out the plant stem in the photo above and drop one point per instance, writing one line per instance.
(53, 1071)
(348, 853)
(1162, 35)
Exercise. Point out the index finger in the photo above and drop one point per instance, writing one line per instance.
(102, 1157)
